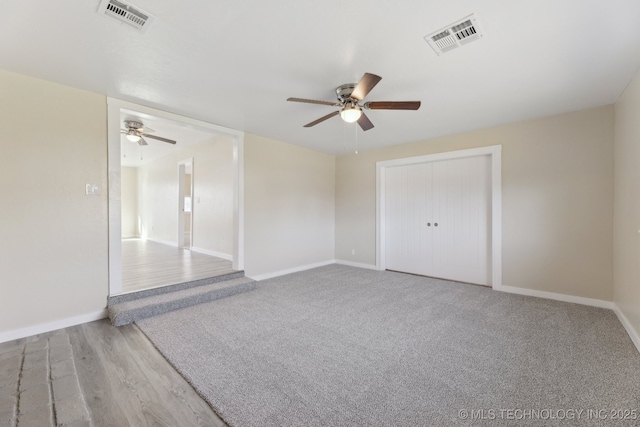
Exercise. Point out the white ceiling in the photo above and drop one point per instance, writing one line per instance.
(235, 63)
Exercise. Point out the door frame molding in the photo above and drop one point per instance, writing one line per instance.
(181, 176)
(495, 155)
(114, 106)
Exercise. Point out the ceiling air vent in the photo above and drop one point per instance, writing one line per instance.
(455, 35)
(126, 13)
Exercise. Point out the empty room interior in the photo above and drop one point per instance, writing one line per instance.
(333, 214)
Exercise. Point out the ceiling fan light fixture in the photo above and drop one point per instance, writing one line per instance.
(351, 102)
(351, 113)
(133, 137)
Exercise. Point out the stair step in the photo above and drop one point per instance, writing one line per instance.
(172, 288)
(125, 312)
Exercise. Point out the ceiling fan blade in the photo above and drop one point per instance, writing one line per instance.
(159, 138)
(364, 86)
(322, 119)
(313, 101)
(364, 122)
(141, 141)
(146, 130)
(392, 105)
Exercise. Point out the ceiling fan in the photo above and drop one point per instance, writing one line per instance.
(135, 131)
(350, 101)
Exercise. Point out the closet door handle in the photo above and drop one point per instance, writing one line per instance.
(428, 224)
(435, 224)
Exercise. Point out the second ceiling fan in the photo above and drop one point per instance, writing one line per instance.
(350, 101)
(135, 130)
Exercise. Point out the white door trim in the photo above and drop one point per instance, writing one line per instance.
(113, 131)
(495, 154)
(182, 164)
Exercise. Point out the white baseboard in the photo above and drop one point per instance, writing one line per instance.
(555, 296)
(51, 326)
(164, 242)
(356, 264)
(265, 276)
(633, 334)
(212, 253)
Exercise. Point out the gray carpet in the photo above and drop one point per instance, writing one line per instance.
(341, 346)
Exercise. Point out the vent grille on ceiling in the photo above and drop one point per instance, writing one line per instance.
(455, 35)
(126, 13)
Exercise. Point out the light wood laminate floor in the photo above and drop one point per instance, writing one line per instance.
(125, 381)
(147, 264)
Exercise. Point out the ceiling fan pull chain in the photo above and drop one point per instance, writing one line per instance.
(344, 136)
(356, 127)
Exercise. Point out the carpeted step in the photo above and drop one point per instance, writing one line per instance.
(172, 288)
(125, 312)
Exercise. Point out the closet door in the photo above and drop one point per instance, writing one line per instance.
(462, 238)
(438, 218)
(409, 246)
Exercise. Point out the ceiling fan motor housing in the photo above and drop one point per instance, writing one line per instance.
(132, 124)
(344, 93)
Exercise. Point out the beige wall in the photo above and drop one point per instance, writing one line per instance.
(289, 206)
(213, 196)
(303, 207)
(55, 236)
(557, 193)
(53, 257)
(627, 204)
(212, 205)
(129, 198)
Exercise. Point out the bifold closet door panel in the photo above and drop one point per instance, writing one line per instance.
(409, 247)
(463, 239)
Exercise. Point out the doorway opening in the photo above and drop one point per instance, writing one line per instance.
(159, 208)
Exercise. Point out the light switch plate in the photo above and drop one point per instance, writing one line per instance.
(92, 189)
